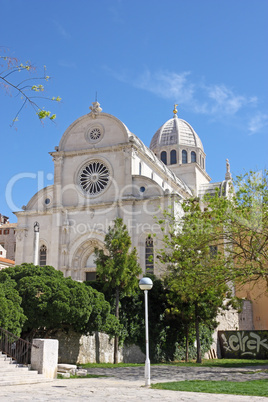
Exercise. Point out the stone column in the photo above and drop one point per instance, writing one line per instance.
(58, 162)
(44, 357)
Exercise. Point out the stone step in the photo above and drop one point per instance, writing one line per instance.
(19, 372)
(24, 380)
(12, 373)
(14, 370)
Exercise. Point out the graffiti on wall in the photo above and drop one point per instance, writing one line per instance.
(244, 344)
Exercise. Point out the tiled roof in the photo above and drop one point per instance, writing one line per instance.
(7, 261)
(8, 225)
(176, 131)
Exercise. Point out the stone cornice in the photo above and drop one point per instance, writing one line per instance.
(89, 151)
(128, 200)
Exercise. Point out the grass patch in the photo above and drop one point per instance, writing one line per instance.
(252, 388)
(206, 363)
(221, 363)
(109, 365)
(255, 371)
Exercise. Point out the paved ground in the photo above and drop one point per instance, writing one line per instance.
(127, 384)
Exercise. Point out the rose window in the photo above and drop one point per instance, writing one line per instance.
(95, 134)
(94, 177)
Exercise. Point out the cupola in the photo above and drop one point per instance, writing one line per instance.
(177, 145)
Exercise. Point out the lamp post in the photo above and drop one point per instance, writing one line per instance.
(36, 243)
(146, 284)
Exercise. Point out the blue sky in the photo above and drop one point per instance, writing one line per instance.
(209, 56)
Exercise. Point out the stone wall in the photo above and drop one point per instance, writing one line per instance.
(97, 348)
(232, 320)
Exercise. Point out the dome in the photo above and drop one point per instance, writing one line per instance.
(176, 132)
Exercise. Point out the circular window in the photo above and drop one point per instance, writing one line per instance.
(94, 134)
(94, 177)
(47, 201)
(142, 189)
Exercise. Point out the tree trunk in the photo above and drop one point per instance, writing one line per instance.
(117, 316)
(187, 343)
(198, 345)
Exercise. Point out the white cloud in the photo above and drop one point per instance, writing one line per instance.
(61, 30)
(224, 101)
(258, 122)
(215, 100)
(167, 85)
(204, 99)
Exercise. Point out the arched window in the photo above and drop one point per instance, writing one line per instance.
(193, 156)
(91, 274)
(173, 157)
(149, 255)
(184, 156)
(43, 256)
(163, 157)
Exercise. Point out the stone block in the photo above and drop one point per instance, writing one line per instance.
(81, 373)
(44, 357)
(63, 366)
(64, 375)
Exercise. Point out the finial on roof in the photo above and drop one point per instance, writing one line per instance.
(228, 175)
(95, 109)
(175, 111)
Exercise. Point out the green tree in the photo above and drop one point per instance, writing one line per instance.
(166, 329)
(51, 302)
(195, 277)
(30, 89)
(243, 218)
(12, 317)
(117, 266)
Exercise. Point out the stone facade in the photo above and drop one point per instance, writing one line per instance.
(103, 171)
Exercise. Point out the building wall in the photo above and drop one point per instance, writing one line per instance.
(8, 239)
(257, 294)
(72, 223)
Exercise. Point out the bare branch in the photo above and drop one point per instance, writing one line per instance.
(12, 67)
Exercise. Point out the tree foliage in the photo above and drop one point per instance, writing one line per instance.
(16, 79)
(117, 265)
(12, 317)
(243, 218)
(195, 276)
(166, 330)
(51, 302)
(218, 242)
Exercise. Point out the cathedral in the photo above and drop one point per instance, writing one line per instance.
(103, 171)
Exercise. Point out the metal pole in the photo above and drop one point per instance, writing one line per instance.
(36, 248)
(36, 243)
(147, 361)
